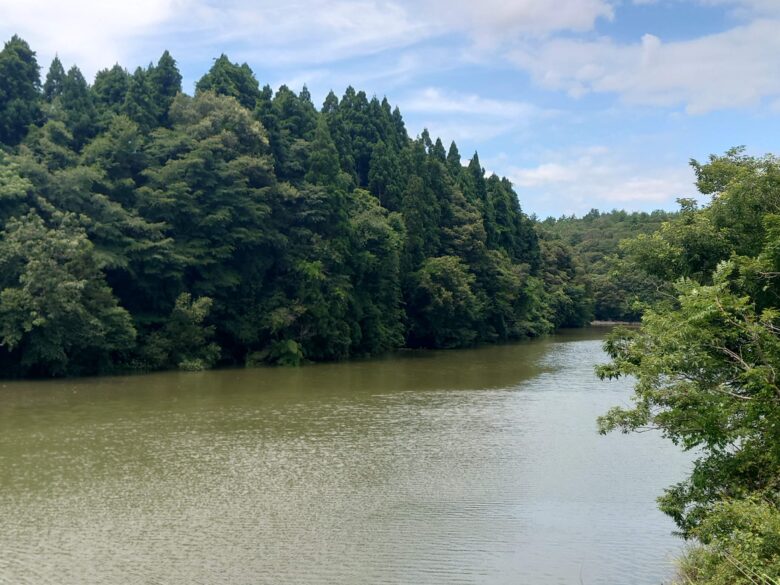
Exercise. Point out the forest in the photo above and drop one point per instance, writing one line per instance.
(144, 229)
(618, 288)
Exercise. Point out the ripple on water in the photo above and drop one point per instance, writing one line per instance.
(345, 474)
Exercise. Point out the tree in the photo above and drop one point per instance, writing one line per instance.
(478, 193)
(360, 130)
(79, 111)
(705, 378)
(323, 158)
(294, 120)
(448, 309)
(231, 79)
(384, 176)
(420, 211)
(438, 152)
(375, 263)
(453, 160)
(55, 79)
(212, 189)
(568, 300)
(139, 104)
(705, 366)
(57, 315)
(119, 153)
(15, 192)
(20, 85)
(110, 91)
(165, 84)
(50, 146)
(185, 341)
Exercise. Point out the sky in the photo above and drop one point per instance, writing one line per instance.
(581, 103)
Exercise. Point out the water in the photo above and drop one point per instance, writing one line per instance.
(476, 467)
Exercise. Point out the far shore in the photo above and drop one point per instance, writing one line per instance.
(613, 323)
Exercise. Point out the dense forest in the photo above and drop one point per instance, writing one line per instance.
(143, 228)
(619, 289)
(706, 362)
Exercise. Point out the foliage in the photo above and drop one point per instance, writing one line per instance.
(449, 311)
(19, 90)
(242, 225)
(742, 545)
(568, 290)
(57, 315)
(230, 79)
(618, 289)
(705, 364)
(184, 341)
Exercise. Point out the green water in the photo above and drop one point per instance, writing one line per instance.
(476, 466)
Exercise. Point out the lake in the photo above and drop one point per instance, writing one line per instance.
(478, 466)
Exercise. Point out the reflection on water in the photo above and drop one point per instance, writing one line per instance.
(478, 466)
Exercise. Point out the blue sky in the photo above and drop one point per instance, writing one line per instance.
(581, 103)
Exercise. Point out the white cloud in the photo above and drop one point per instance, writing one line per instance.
(469, 118)
(89, 33)
(576, 180)
(467, 134)
(736, 68)
(435, 100)
(96, 33)
(311, 31)
(491, 21)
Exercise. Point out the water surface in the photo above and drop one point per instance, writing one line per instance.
(463, 467)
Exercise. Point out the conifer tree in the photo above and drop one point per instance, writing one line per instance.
(438, 152)
(20, 84)
(165, 84)
(331, 103)
(233, 80)
(479, 185)
(453, 160)
(110, 90)
(139, 103)
(78, 109)
(384, 178)
(55, 79)
(324, 158)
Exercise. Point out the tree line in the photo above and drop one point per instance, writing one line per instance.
(143, 228)
(619, 288)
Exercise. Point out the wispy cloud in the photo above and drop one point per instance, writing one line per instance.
(95, 33)
(436, 100)
(89, 33)
(313, 31)
(470, 117)
(491, 21)
(576, 180)
(735, 68)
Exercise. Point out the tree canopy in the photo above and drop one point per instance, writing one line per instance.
(245, 225)
(706, 361)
